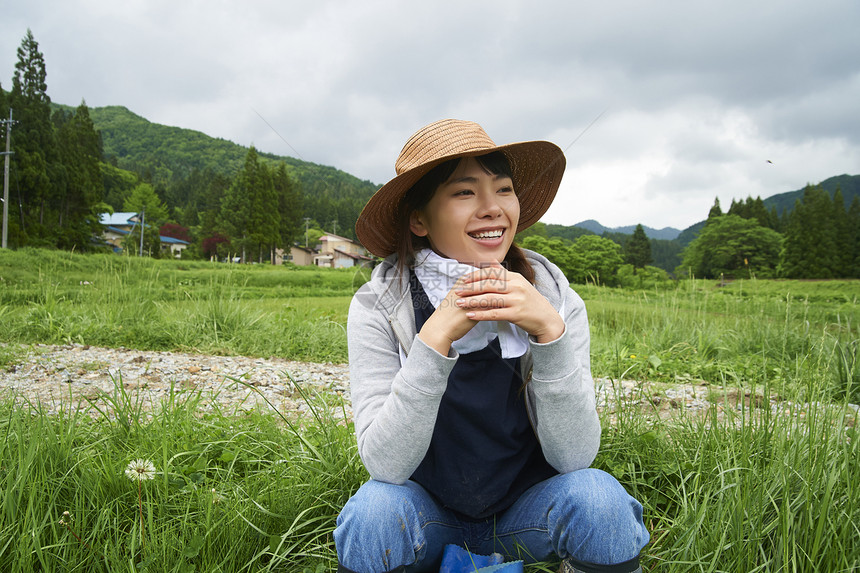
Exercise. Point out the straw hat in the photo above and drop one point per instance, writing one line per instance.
(536, 166)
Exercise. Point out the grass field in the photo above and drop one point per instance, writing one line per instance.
(107, 300)
(754, 489)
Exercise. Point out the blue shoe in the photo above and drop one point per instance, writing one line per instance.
(455, 559)
(511, 567)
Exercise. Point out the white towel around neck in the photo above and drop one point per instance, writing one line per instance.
(437, 275)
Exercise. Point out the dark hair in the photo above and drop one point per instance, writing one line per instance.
(417, 197)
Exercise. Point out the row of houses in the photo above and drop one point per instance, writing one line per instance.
(117, 226)
(333, 251)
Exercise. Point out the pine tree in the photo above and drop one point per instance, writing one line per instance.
(143, 198)
(775, 221)
(235, 213)
(209, 205)
(854, 232)
(182, 195)
(249, 209)
(753, 209)
(78, 179)
(756, 210)
(35, 147)
(4, 110)
(265, 223)
(637, 250)
(738, 208)
(842, 237)
(289, 206)
(793, 263)
(810, 241)
(715, 210)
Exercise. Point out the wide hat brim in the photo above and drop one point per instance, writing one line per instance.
(536, 168)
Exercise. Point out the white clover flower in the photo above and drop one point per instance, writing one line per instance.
(140, 470)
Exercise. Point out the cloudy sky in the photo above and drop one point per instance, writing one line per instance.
(660, 106)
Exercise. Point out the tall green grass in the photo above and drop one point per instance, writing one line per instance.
(232, 492)
(767, 485)
(752, 490)
(745, 334)
(108, 300)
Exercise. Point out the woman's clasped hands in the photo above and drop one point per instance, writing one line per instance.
(491, 293)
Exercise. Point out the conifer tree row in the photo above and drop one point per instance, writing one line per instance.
(819, 240)
(259, 211)
(61, 183)
(56, 189)
(821, 237)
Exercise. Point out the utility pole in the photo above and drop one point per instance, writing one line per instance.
(307, 222)
(142, 221)
(8, 123)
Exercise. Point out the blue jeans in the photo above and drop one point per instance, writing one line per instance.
(584, 514)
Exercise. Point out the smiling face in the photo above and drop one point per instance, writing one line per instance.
(472, 217)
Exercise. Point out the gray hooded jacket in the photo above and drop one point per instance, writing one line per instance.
(395, 405)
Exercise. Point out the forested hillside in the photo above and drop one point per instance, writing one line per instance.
(173, 158)
(848, 185)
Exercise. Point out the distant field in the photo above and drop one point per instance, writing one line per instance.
(108, 300)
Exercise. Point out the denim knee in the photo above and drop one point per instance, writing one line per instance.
(375, 503)
(598, 521)
(378, 528)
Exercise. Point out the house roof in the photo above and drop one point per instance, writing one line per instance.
(162, 238)
(123, 218)
(173, 240)
(352, 255)
(333, 237)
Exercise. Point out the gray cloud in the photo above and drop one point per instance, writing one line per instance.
(695, 96)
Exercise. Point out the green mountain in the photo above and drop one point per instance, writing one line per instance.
(690, 233)
(168, 157)
(849, 184)
(135, 141)
(666, 233)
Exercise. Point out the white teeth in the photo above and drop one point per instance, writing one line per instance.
(487, 234)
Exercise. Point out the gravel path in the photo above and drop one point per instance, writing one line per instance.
(63, 376)
(60, 377)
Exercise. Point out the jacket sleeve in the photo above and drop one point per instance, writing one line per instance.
(394, 407)
(561, 392)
